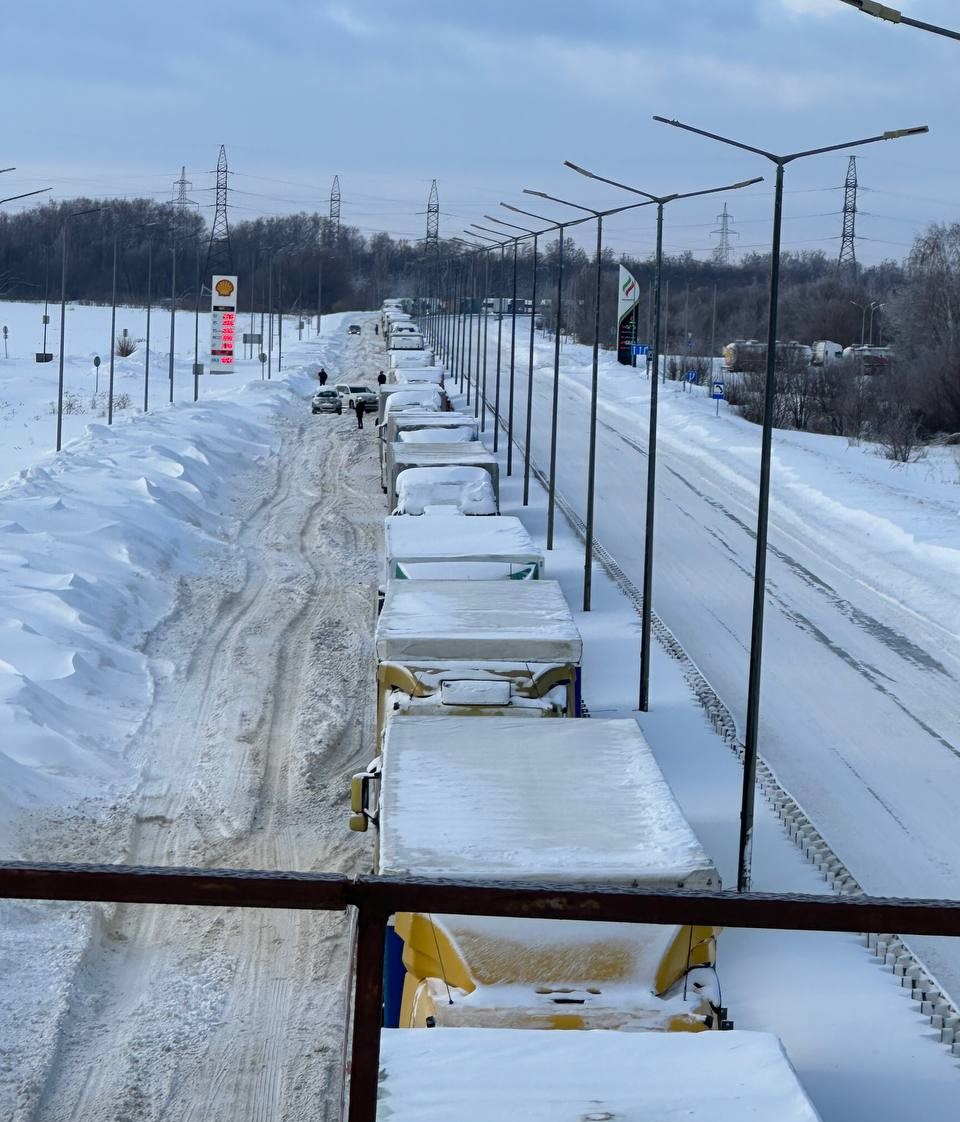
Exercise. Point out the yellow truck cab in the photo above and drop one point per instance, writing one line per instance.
(476, 648)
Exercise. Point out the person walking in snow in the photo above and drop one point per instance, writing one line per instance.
(358, 407)
(322, 376)
(381, 379)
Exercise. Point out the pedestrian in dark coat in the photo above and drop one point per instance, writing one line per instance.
(382, 378)
(358, 407)
(376, 329)
(322, 376)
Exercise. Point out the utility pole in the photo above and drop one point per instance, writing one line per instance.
(848, 254)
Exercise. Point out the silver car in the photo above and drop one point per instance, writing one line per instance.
(326, 401)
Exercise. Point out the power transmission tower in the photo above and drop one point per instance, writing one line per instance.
(335, 205)
(433, 219)
(848, 253)
(219, 251)
(724, 250)
(182, 204)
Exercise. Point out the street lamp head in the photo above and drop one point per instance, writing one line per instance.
(894, 134)
(872, 8)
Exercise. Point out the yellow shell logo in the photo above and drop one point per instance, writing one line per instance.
(224, 287)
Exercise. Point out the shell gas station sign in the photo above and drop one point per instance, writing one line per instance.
(223, 323)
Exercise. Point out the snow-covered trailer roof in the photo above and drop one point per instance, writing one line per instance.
(475, 1075)
(445, 491)
(454, 539)
(423, 397)
(426, 434)
(411, 358)
(473, 453)
(439, 621)
(469, 798)
(417, 375)
(429, 418)
(461, 426)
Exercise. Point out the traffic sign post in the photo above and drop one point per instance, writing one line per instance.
(717, 393)
(639, 349)
(263, 359)
(690, 377)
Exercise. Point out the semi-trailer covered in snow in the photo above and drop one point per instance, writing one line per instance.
(402, 455)
(510, 799)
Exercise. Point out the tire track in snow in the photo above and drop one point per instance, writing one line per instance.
(187, 1013)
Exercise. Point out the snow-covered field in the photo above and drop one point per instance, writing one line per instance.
(186, 667)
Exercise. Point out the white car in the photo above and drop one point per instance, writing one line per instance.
(349, 395)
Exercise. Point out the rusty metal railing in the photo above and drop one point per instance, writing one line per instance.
(377, 898)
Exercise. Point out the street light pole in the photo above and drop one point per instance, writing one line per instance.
(863, 320)
(533, 313)
(891, 15)
(113, 330)
(63, 313)
(502, 243)
(516, 239)
(173, 308)
(599, 215)
(751, 738)
(146, 356)
(555, 402)
(646, 610)
(873, 307)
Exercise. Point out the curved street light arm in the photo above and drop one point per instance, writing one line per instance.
(26, 194)
(892, 15)
(890, 134)
(514, 226)
(562, 202)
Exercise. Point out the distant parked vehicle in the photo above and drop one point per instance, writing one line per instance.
(350, 395)
(825, 352)
(326, 401)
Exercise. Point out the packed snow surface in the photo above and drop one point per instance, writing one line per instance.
(440, 621)
(472, 797)
(475, 1075)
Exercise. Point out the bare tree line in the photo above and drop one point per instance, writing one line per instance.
(705, 304)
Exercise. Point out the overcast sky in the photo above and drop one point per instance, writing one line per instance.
(108, 98)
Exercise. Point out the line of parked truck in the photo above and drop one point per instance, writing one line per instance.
(750, 355)
(486, 769)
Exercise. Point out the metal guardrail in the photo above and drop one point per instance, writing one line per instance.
(377, 898)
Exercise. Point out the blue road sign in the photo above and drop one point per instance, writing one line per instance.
(691, 375)
(717, 390)
(639, 348)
